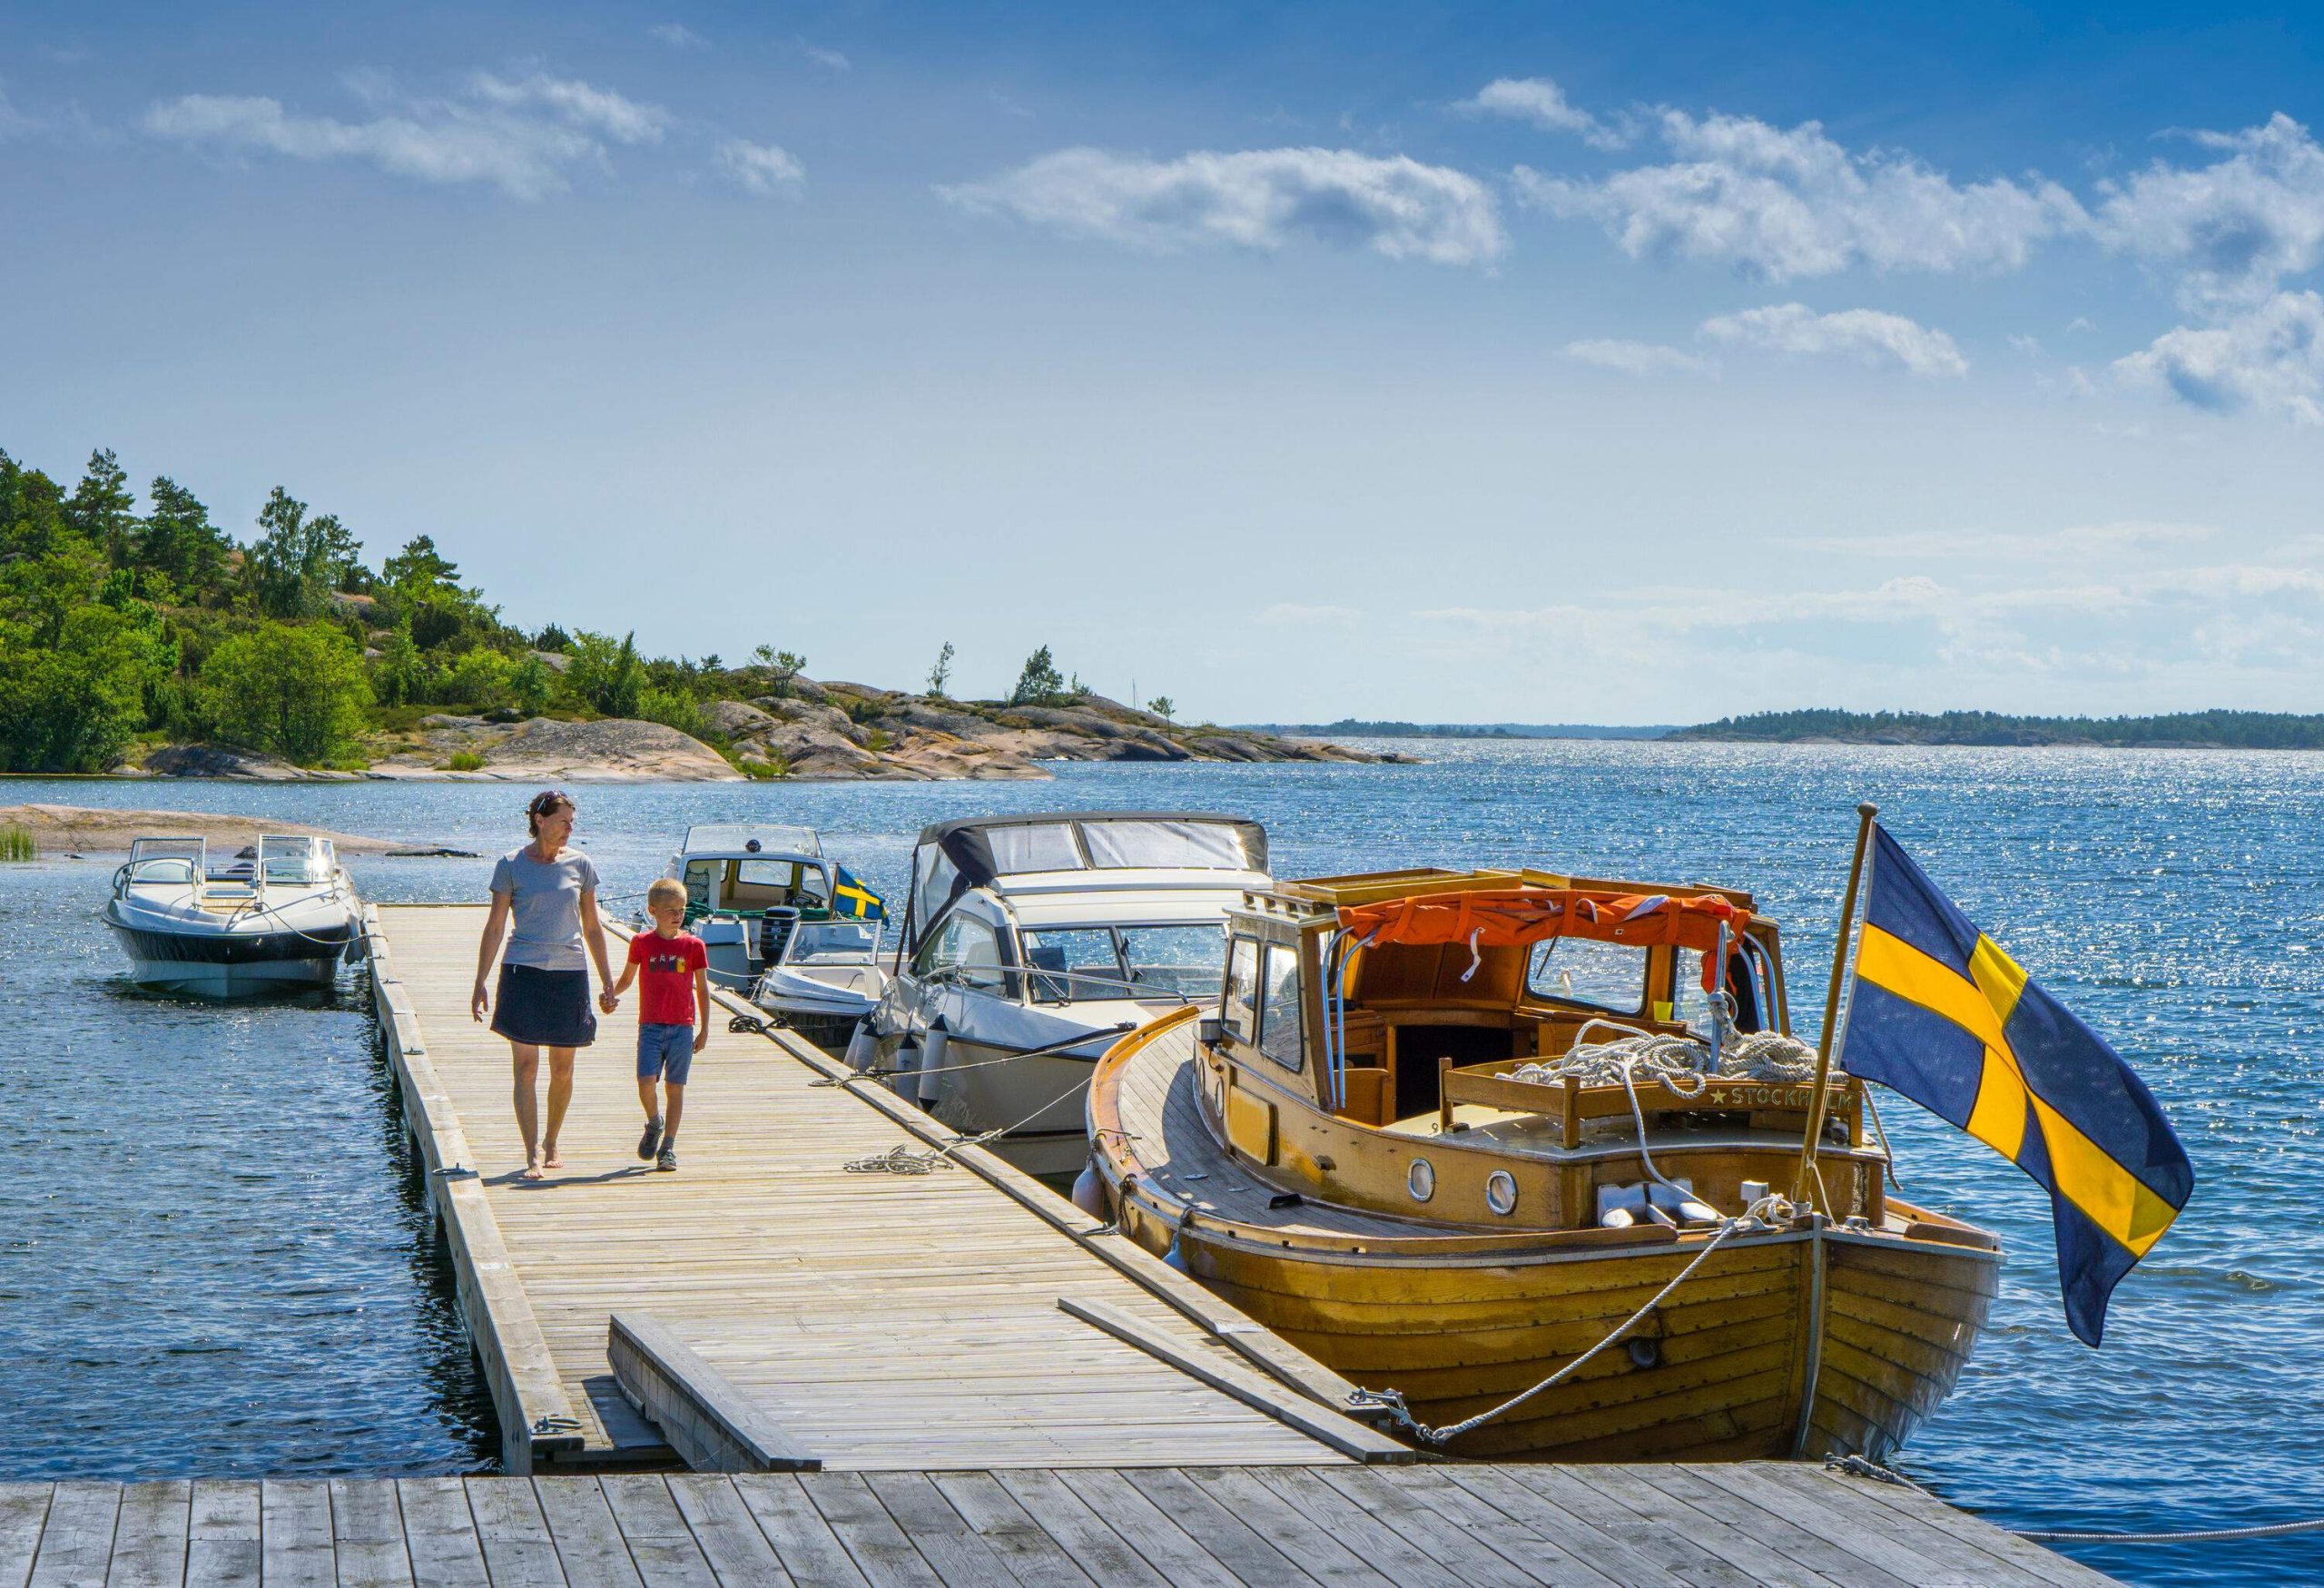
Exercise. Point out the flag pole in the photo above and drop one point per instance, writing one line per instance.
(1864, 814)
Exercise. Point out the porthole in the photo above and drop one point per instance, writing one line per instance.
(1421, 1179)
(1501, 1192)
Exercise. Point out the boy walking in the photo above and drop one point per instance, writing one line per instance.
(672, 1014)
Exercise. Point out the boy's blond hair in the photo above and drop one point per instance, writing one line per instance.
(666, 891)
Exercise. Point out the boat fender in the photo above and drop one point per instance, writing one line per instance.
(861, 1046)
(905, 1082)
(1089, 1191)
(931, 1058)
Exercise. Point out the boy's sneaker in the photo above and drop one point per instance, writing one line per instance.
(668, 1162)
(650, 1141)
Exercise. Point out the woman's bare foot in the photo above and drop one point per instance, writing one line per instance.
(533, 1170)
(554, 1159)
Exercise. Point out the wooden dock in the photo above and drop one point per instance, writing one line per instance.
(1269, 1526)
(945, 1378)
(774, 1309)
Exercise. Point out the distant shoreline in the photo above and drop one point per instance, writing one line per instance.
(2202, 730)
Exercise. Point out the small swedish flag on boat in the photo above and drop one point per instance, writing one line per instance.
(851, 898)
(1942, 1015)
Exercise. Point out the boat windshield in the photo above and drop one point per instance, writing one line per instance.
(295, 860)
(833, 942)
(1081, 963)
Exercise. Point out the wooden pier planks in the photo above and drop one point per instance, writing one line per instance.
(877, 1320)
(1639, 1526)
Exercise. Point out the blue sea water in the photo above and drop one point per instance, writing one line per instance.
(213, 1259)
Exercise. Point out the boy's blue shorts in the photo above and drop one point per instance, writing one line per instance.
(665, 1053)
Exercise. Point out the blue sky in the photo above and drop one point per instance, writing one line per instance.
(1614, 363)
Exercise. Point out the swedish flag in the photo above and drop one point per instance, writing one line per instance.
(852, 898)
(1942, 1015)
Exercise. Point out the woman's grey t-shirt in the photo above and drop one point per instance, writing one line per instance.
(545, 907)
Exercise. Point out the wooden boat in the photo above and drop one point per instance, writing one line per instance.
(1352, 1150)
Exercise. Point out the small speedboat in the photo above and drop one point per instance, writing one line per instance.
(283, 914)
(822, 977)
(1031, 941)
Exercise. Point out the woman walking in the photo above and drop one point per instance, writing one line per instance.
(549, 892)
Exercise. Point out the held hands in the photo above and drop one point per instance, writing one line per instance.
(607, 1002)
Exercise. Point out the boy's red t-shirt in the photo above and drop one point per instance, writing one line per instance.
(665, 976)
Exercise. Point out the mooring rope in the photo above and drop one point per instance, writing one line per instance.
(901, 1160)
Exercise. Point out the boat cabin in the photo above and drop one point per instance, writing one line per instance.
(1075, 907)
(748, 886)
(1394, 1039)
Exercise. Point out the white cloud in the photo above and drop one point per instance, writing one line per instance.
(524, 138)
(1865, 334)
(624, 121)
(1293, 614)
(678, 35)
(2237, 225)
(1544, 105)
(1260, 198)
(2268, 359)
(1636, 358)
(824, 58)
(1782, 203)
(761, 168)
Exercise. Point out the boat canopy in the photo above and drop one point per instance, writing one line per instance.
(984, 849)
(751, 838)
(1513, 917)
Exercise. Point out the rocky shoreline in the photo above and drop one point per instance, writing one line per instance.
(819, 731)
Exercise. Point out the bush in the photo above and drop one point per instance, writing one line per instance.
(673, 708)
(480, 678)
(297, 692)
(776, 764)
(531, 685)
(17, 843)
(465, 761)
(606, 677)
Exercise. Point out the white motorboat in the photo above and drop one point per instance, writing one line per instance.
(284, 915)
(1030, 943)
(822, 978)
(784, 923)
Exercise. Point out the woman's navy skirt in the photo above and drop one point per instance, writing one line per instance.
(547, 1009)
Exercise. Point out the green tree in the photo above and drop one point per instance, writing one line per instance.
(70, 702)
(782, 668)
(31, 514)
(297, 692)
(104, 509)
(941, 675)
(1162, 707)
(605, 676)
(1040, 684)
(419, 569)
(400, 674)
(296, 561)
(531, 685)
(178, 539)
